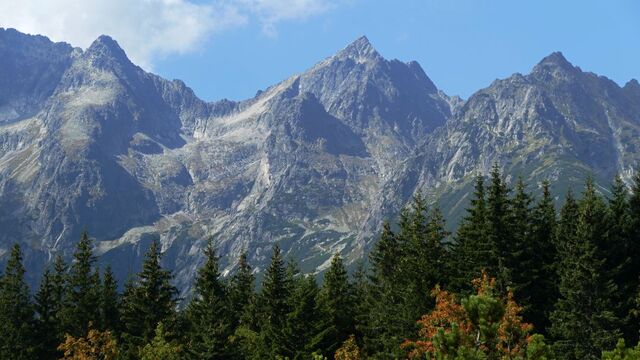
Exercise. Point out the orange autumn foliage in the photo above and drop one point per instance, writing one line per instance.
(98, 345)
(482, 323)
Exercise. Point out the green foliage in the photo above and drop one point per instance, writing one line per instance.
(337, 305)
(584, 321)
(161, 348)
(16, 311)
(576, 277)
(621, 352)
(147, 302)
(83, 294)
(209, 312)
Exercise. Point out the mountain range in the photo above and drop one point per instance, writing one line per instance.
(316, 163)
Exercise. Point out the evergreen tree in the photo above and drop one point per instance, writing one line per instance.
(336, 304)
(241, 294)
(521, 259)
(83, 303)
(274, 306)
(633, 250)
(16, 311)
(500, 236)
(209, 312)
(146, 303)
(109, 302)
(49, 305)
(543, 292)
(583, 321)
(384, 326)
(621, 254)
(301, 329)
(472, 251)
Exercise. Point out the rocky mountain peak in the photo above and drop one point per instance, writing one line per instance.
(360, 49)
(105, 50)
(632, 87)
(555, 64)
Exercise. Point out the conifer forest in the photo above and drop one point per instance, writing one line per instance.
(521, 277)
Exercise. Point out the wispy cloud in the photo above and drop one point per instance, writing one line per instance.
(149, 29)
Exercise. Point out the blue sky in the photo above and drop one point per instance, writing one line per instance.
(232, 48)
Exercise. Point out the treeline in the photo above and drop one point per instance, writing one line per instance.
(517, 280)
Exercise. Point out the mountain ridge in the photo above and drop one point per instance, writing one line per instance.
(315, 163)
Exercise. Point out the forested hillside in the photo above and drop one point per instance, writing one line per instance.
(516, 280)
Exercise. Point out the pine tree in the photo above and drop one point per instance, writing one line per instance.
(472, 252)
(209, 312)
(621, 255)
(544, 291)
(499, 231)
(109, 302)
(16, 311)
(337, 306)
(583, 322)
(274, 306)
(521, 259)
(633, 250)
(301, 329)
(384, 324)
(83, 304)
(151, 300)
(241, 294)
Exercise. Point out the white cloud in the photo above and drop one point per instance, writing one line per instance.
(149, 29)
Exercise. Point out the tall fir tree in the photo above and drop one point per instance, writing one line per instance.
(336, 304)
(274, 306)
(583, 322)
(633, 249)
(50, 306)
(83, 303)
(384, 325)
(241, 294)
(148, 301)
(521, 256)
(109, 302)
(621, 255)
(472, 252)
(544, 291)
(499, 229)
(301, 328)
(209, 312)
(16, 311)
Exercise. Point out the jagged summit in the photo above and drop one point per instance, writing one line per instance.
(555, 60)
(105, 47)
(361, 48)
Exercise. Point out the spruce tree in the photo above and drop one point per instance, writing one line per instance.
(384, 326)
(621, 255)
(109, 302)
(147, 302)
(301, 329)
(16, 311)
(274, 306)
(521, 255)
(583, 322)
(544, 291)
(337, 307)
(241, 294)
(209, 312)
(83, 303)
(49, 306)
(500, 236)
(633, 250)
(472, 251)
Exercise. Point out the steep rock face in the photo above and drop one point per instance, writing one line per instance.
(132, 157)
(315, 163)
(557, 123)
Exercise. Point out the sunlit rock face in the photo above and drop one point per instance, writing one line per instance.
(316, 163)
